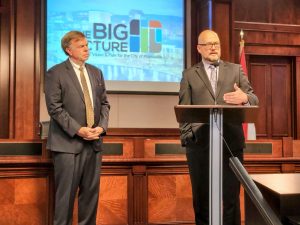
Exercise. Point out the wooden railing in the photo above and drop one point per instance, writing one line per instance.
(144, 177)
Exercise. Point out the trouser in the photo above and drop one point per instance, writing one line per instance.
(72, 173)
(198, 162)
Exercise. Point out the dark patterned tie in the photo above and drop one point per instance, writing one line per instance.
(87, 99)
(213, 77)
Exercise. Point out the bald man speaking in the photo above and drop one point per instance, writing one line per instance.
(209, 82)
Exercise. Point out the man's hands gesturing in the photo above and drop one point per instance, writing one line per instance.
(237, 97)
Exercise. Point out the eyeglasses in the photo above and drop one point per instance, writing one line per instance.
(209, 45)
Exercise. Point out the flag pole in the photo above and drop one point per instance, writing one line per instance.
(242, 35)
(242, 42)
(249, 128)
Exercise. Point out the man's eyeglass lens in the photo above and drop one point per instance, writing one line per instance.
(210, 45)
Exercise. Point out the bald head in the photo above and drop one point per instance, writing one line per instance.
(207, 35)
(209, 45)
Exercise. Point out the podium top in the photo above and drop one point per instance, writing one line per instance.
(201, 113)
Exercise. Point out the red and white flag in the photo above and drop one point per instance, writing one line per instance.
(249, 128)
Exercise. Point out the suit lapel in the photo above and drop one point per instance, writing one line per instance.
(74, 78)
(204, 77)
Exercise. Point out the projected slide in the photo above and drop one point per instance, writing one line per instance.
(129, 40)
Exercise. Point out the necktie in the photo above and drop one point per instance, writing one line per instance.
(213, 77)
(87, 99)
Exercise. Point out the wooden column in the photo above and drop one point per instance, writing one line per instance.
(27, 75)
(4, 68)
(297, 97)
(222, 24)
(139, 195)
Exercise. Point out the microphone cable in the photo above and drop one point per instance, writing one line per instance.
(220, 133)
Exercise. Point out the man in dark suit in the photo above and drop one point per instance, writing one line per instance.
(210, 82)
(78, 107)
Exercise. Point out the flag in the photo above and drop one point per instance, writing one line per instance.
(249, 128)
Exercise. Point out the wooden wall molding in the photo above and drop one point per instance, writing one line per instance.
(269, 39)
(133, 190)
(222, 24)
(20, 68)
(26, 193)
(297, 97)
(267, 27)
(143, 132)
(5, 67)
(265, 50)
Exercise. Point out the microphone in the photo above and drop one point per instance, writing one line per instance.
(216, 63)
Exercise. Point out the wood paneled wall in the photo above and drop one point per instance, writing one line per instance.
(272, 37)
(26, 194)
(136, 185)
(20, 68)
(4, 67)
(147, 187)
(271, 78)
(222, 23)
(268, 11)
(270, 29)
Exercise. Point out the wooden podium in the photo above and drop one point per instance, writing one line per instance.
(215, 115)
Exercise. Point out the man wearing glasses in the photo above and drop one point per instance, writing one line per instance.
(213, 81)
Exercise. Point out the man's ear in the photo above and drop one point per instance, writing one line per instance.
(199, 49)
(68, 51)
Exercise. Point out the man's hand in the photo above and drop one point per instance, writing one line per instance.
(90, 134)
(237, 97)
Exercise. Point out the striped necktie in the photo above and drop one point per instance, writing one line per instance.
(87, 100)
(213, 77)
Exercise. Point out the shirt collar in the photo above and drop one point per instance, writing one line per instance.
(76, 65)
(206, 63)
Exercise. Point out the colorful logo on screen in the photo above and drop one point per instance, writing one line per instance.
(145, 36)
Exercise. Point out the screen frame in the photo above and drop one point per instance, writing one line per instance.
(151, 88)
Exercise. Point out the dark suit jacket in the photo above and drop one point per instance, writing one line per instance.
(65, 104)
(195, 89)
